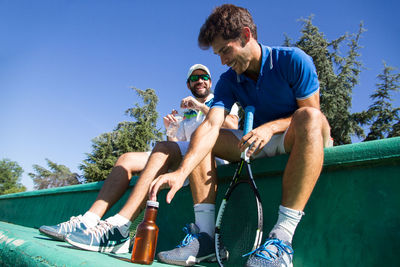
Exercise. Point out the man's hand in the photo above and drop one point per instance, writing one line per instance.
(258, 138)
(170, 118)
(191, 103)
(173, 180)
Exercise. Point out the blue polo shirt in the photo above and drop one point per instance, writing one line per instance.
(287, 74)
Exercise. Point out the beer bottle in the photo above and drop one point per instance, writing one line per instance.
(144, 247)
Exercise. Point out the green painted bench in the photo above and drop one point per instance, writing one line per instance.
(352, 218)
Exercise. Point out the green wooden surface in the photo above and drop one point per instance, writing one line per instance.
(352, 217)
(24, 246)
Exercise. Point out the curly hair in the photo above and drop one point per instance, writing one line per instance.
(228, 21)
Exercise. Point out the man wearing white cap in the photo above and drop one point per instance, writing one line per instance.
(197, 107)
(112, 235)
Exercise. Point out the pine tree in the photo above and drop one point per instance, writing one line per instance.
(128, 136)
(382, 118)
(56, 176)
(396, 127)
(337, 76)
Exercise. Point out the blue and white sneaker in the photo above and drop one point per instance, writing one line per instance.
(104, 237)
(60, 230)
(194, 248)
(273, 253)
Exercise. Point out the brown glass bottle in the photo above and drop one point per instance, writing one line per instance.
(145, 244)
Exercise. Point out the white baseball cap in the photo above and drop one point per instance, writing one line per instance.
(197, 67)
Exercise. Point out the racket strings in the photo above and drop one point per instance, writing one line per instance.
(239, 223)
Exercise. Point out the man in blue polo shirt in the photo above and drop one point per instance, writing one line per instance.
(282, 85)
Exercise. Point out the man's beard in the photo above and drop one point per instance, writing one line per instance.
(200, 95)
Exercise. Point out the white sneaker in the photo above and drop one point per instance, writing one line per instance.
(60, 230)
(104, 237)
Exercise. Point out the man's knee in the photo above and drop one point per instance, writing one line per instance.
(307, 122)
(124, 159)
(308, 117)
(306, 114)
(167, 152)
(166, 147)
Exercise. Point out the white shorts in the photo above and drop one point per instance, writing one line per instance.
(274, 147)
(184, 146)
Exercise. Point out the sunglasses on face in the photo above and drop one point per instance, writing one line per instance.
(195, 78)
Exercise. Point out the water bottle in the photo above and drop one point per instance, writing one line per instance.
(174, 126)
(145, 244)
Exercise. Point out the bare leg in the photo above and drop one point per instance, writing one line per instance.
(226, 146)
(304, 140)
(203, 180)
(117, 181)
(166, 155)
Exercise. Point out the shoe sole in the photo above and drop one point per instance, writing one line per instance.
(191, 260)
(53, 235)
(119, 249)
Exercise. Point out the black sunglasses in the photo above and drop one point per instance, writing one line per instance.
(195, 78)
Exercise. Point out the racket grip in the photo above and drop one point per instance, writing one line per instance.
(248, 119)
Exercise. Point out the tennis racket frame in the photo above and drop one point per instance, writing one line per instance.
(245, 161)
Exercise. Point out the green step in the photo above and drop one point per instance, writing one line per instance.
(24, 246)
(352, 217)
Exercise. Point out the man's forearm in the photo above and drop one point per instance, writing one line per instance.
(231, 122)
(205, 109)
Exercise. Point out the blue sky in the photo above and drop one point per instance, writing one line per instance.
(66, 67)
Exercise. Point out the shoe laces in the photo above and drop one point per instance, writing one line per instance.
(101, 230)
(188, 238)
(269, 254)
(71, 224)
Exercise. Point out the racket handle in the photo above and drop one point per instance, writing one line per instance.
(248, 119)
(248, 126)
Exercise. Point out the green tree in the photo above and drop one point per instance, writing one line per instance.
(396, 127)
(337, 74)
(139, 135)
(56, 176)
(10, 174)
(383, 119)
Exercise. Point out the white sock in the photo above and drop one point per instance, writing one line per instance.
(287, 222)
(120, 221)
(90, 219)
(204, 214)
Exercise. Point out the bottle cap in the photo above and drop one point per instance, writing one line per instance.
(151, 203)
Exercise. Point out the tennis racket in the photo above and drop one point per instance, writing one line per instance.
(239, 225)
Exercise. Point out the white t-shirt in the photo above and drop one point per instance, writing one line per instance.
(193, 119)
